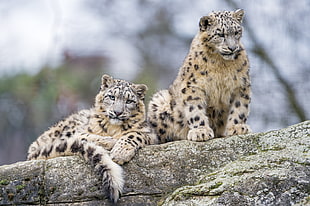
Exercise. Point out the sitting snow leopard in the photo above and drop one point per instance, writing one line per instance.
(116, 123)
(210, 96)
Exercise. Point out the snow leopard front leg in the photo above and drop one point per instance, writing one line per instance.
(126, 147)
(107, 142)
(195, 114)
(238, 114)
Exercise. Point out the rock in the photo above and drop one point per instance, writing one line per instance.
(271, 168)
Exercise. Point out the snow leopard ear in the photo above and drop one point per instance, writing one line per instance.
(238, 14)
(205, 22)
(140, 90)
(106, 81)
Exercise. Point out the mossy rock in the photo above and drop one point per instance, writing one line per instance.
(271, 168)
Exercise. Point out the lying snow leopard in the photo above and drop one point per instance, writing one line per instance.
(211, 93)
(116, 123)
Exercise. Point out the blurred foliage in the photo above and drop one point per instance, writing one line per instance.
(29, 104)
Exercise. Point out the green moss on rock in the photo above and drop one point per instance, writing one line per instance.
(4, 182)
(255, 169)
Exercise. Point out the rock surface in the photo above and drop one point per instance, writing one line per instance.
(271, 168)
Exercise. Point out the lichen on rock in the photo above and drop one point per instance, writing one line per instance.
(271, 168)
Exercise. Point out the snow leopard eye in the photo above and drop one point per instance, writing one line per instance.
(129, 101)
(112, 97)
(221, 35)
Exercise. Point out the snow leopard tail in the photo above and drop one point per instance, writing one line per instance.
(111, 174)
(112, 179)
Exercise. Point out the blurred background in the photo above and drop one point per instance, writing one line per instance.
(53, 53)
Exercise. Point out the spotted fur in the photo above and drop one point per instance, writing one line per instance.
(111, 132)
(211, 93)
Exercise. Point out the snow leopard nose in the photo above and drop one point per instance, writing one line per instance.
(232, 48)
(118, 112)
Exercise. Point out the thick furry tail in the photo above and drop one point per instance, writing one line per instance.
(112, 179)
(110, 172)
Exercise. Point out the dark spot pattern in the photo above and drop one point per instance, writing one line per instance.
(76, 147)
(90, 152)
(191, 120)
(153, 124)
(96, 159)
(62, 147)
(197, 118)
(237, 104)
(56, 133)
(139, 139)
(191, 108)
(46, 152)
(161, 131)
